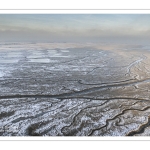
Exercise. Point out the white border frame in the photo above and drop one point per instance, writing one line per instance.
(74, 11)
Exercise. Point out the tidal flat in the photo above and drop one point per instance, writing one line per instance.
(74, 89)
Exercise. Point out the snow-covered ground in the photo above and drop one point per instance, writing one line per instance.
(75, 89)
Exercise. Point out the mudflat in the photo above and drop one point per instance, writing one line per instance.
(74, 89)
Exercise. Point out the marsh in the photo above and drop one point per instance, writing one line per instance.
(74, 89)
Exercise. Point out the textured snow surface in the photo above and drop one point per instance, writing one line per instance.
(74, 89)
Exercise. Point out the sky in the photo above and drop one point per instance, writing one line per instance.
(74, 27)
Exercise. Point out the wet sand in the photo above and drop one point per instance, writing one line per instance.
(70, 89)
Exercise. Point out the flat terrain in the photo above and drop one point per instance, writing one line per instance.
(69, 89)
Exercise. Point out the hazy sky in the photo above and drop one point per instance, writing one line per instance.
(74, 27)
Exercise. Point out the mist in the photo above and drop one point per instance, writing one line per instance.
(131, 28)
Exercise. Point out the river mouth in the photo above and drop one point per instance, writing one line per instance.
(70, 89)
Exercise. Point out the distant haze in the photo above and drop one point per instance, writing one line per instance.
(74, 27)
